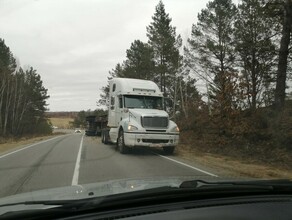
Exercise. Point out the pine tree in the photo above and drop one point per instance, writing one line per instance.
(35, 105)
(22, 98)
(285, 43)
(162, 38)
(140, 62)
(257, 53)
(7, 67)
(211, 52)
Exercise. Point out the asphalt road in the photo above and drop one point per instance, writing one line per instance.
(74, 159)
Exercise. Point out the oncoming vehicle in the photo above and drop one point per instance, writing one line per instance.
(136, 117)
(77, 130)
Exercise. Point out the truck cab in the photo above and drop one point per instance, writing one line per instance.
(136, 116)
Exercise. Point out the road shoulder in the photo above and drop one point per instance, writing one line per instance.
(228, 166)
(13, 145)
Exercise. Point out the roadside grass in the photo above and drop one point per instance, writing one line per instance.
(63, 123)
(236, 164)
(15, 143)
(249, 143)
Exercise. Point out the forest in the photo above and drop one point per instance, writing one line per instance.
(230, 82)
(22, 98)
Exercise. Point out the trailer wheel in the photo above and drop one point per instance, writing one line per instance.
(106, 137)
(102, 136)
(121, 143)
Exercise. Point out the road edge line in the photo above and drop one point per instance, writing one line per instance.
(29, 146)
(187, 165)
(77, 165)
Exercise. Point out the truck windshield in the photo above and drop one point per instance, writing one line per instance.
(150, 102)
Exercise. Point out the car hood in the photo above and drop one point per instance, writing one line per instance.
(84, 191)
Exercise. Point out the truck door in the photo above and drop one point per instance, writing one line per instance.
(113, 112)
(112, 107)
(119, 112)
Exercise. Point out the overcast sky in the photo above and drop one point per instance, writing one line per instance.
(74, 43)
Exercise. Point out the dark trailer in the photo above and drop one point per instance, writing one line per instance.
(95, 124)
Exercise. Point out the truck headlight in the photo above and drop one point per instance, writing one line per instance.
(175, 129)
(132, 128)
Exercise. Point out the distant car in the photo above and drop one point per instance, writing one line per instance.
(77, 130)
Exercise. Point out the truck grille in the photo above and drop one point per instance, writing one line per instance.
(154, 122)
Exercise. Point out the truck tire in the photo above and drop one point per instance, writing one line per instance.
(168, 150)
(106, 137)
(102, 136)
(121, 143)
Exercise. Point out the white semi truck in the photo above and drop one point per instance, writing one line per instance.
(136, 117)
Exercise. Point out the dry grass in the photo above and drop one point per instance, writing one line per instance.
(11, 144)
(63, 123)
(230, 167)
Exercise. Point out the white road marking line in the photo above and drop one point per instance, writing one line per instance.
(5, 155)
(77, 165)
(184, 164)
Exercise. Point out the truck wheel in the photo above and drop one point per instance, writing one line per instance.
(105, 137)
(168, 150)
(121, 143)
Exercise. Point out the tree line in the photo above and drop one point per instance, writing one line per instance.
(240, 53)
(22, 98)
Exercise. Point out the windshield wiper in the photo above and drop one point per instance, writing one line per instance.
(279, 184)
(66, 207)
(91, 200)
